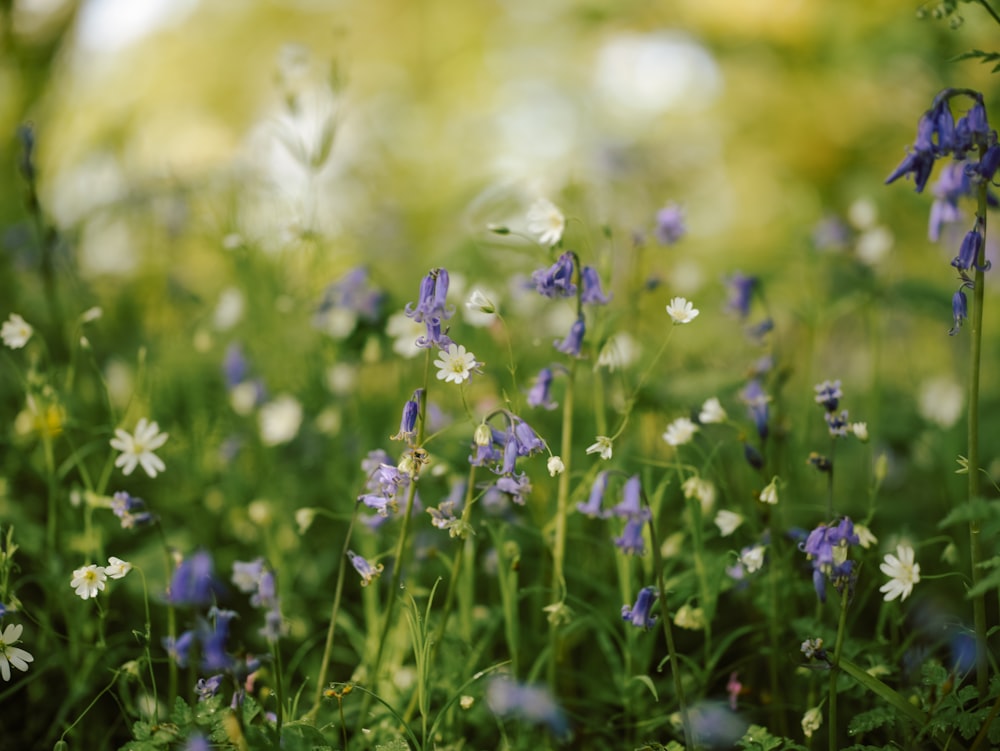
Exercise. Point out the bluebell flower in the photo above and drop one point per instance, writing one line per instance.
(592, 293)
(528, 442)
(631, 542)
(235, 367)
(540, 394)
(484, 455)
(968, 253)
(741, 289)
(630, 506)
(532, 704)
(638, 615)
(574, 339)
(266, 595)
(827, 548)
(953, 183)
(367, 571)
(670, 224)
(557, 279)
(179, 649)
(193, 582)
(959, 309)
(432, 309)
(592, 507)
(206, 688)
(408, 422)
(197, 742)
(972, 130)
(131, 510)
(213, 641)
(273, 624)
(382, 504)
(247, 574)
(828, 394)
(435, 336)
(757, 400)
(920, 161)
(831, 233)
(516, 486)
(837, 424)
(988, 164)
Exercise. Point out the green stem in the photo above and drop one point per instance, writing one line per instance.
(562, 504)
(989, 9)
(279, 693)
(835, 670)
(975, 531)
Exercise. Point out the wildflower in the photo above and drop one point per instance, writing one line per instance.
(404, 332)
(968, 253)
(631, 506)
(266, 594)
(206, 688)
(532, 704)
(827, 547)
(431, 303)
(865, 537)
(620, 351)
(555, 466)
(137, 448)
(903, 573)
(734, 688)
(480, 302)
(193, 582)
(638, 615)
(455, 365)
(179, 649)
(15, 331)
(681, 310)
(246, 574)
(860, 431)
(516, 486)
(753, 456)
(540, 394)
(690, 618)
(557, 280)
(727, 521)
(131, 510)
(592, 293)
(116, 568)
(280, 420)
(363, 567)
(602, 446)
(811, 721)
(712, 412)
(680, 432)
(670, 224)
(702, 489)
(546, 222)
(11, 655)
(770, 493)
(813, 649)
(741, 289)
(752, 558)
(345, 301)
(631, 542)
(828, 394)
(959, 310)
(408, 422)
(574, 339)
(838, 425)
(592, 507)
(88, 581)
(757, 400)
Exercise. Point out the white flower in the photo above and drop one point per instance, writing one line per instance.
(117, 568)
(556, 466)
(91, 314)
(703, 490)
(602, 445)
(88, 581)
(11, 655)
(304, 518)
(680, 431)
(860, 430)
(138, 448)
(455, 365)
(811, 721)
(15, 331)
(280, 420)
(681, 310)
(546, 222)
(711, 411)
(770, 493)
(689, 617)
(405, 332)
(752, 558)
(727, 522)
(480, 302)
(620, 351)
(941, 401)
(903, 571)
(229, 309)
(865, 537)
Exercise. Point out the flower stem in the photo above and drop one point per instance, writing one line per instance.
(835, 669)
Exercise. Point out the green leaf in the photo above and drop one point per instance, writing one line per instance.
(978, 509)
(872, 719)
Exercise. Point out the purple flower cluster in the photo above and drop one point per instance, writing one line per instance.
(351, 293)
(499, 451)
(827, 548)
(557, 279)
(255, 579)
(432, 309)
(131, 510)
(630, 509)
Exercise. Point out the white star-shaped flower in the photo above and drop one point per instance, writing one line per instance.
(681, 310)
(602, 445)
(711, 411)
(117, 568)
(11, 655)
(455, 365)
(727, 522)
(903, 573)
(137, 448)
(680, 431)
(15, 331)
(546, 222)
(88, 581)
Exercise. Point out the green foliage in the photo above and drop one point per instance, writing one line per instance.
(872, 719)
(759, 738)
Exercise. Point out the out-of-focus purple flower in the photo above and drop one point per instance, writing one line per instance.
(592, 507)
(197, 742)
(193, 582)
(953, 183)
(540, 394)
(631, 542)
(266, 595)
(345, 301)
(557, 279)
(131, 510)
(273, 624)
(639, 614)
(531, 704)
(516, 486)
(757, 400)
(831, 233)
(206, 688)
(837, 424)
(179, 649)
(213, 642)
(592, 293)
(741, 289)
(828, 394)
(235, 367)
(247, 574)
(574, 339)
(753, 456)
(670, 224)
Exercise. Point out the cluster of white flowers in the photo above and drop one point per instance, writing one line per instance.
(88, 581)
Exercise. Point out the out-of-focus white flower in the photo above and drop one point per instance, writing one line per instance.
(811, 721)
(602, 445)
(727, 522)
(480, 308)
(681, 310)
(404, 332)
(280, 420)
(689, 617)
(229, 309)
(546, 222)
(680, 431)
(711, 412)
(752, 558)
(15, 331)
(620, 351)
(770, 493)
(860, 430)
(941, 401)
(865, 537)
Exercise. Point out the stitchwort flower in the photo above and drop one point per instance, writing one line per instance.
(137, 448)
(11, 655)
(602, 446)
(455, 364)
(902, 571)
(681, 310)
(15, 331)
(546, 222)
(680, 432)
(88, 581)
